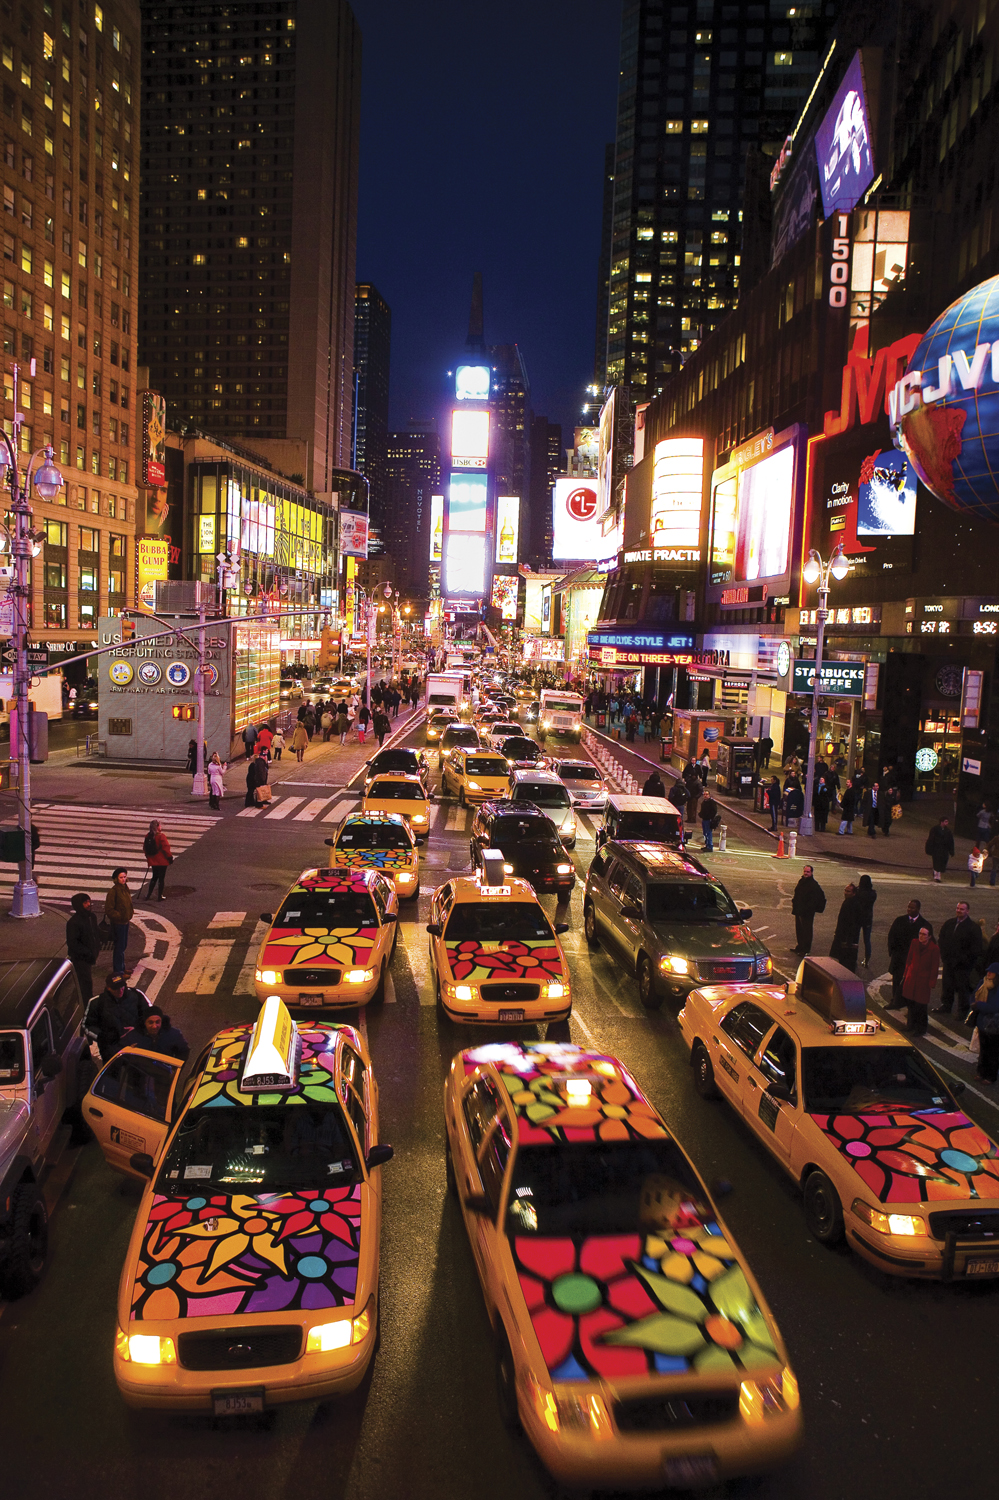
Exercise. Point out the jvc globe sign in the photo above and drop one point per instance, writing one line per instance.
(945, 409)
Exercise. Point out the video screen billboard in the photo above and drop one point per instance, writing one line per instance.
(843, 144)
(436, 527)
(605, 457)
(469, 439)
(677, 499)
(754, 505)
(353, 533)
(465, 564)
(507, 528)
(467, 496)
(504, 595)
(471, 383)
(865, 499)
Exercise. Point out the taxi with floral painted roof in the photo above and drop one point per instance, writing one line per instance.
(330, 942)
(633, 1344)
(857, 1116)
(494, 955)
(370, 840)
(251, 1277)
(403, 795)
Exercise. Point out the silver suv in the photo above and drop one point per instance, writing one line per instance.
(543, 789)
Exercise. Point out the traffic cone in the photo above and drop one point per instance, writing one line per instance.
(780, 848)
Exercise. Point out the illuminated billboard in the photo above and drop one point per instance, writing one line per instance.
(843, 145)
(465, 565)
(754, 505)
(677, 496)
(886, 503)
(353, 533)
(504, 596)
(467, 502)
(471, 383)
(469, 439)
(436, 528)
(576, 529)
(507, 527)
(605, 454)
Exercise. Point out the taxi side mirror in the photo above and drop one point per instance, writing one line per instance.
(434, 928)
(266, 916)
(958, 1088)
(379, 1155)
(329, 843)
(780, 1092)
(142, 1162)
(477, 1203)
(561, 927)
(390, 916)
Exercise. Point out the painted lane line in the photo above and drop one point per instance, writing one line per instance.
(311, 810)
(245, 981)
(205, 970)
(250, 812)
(159, 933)
(285, 806)
(227, 919)
(577, 1017)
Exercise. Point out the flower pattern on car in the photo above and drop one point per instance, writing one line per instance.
(219, 1084)
(474, 962)
(218, 1254)
(373, 859)
(612, 1306)
(909, 1156)
(337, 947)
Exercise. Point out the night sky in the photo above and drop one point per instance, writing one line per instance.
(482, 140)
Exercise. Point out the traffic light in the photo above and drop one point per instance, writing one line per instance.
(12, 844)
(128, 630)
(185, 710)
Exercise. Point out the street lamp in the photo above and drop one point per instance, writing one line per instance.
(817, 571)
(24, 544)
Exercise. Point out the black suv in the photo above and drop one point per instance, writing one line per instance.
(529, 842)
(457, 734)
(523, 754)
(409, 762)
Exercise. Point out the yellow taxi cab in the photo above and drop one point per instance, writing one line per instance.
(251, 1277)
(378, 841)
(474, 775)
(398, 792)
(437, 722)
(858, 1117)
(331, 941)
(633, 1344)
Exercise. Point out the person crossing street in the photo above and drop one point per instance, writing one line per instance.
(83, 943)
(808, 900)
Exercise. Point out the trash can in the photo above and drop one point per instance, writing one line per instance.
(665, 746)
(601, 719)
(758, 796)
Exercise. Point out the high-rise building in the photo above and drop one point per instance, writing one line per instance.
(546, 464)
(604, 268)
(702, 84)
(70, 191)
(372, 355)
(510, 400)
(412, 476)
(249, 208)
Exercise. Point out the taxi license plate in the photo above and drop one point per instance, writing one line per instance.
(511, 1015)
(982, 1266)
(237, 1403)
(691, 1469)
(310, 997)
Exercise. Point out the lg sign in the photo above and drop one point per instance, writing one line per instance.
(582, 504)
(577, 533)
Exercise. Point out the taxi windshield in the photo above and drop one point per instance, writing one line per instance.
(592, 1188)
(485, 765)
(374, 836)
(398, 791)
(508, 832)
(394, 760)
(520, 749)
(866, 1080)
(654, 828)
(262, 1147)
(492, 922)
(690, 901)
(326, 909)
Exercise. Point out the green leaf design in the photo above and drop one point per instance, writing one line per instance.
(673, 1295)
(538, 1112)
(756, 1328)
(511, 1084)
(755, 1358)
(713, 1358)
(731, 1295)
(661, 1333)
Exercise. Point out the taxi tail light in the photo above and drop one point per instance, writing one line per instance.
(907, 1224)
(769, 1397)
(145, 1348)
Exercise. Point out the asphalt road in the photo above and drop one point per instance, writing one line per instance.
(897, 1379)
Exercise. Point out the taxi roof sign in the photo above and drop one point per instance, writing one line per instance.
(836, 994)
(272, 1054)
(492, 868)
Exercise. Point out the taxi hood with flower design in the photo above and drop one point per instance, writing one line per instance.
(472, 961)
(349, 946)
(916, 1156)
(344, 856)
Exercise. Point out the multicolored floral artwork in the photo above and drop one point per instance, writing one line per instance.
(562, 1093)
(474, 962)
(373, 859)
(219, 1083)
(215, 1255)
(610, 1306)
(319, 947)
(916, 1156)
(338, 881)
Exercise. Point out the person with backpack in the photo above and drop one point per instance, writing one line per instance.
(156, 848)
(363, 720)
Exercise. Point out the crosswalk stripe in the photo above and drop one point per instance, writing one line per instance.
(284, 807)
(82, 844)
(227, 919)
(250, 812)
(457, 818)
(244, 984)
(311, 810)
(138, 815)
(205, 970)
(339, 810)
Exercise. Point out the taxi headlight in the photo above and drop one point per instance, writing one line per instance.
(555, 991)
(764, 964)
(268, 976)
(145, 1348)
(671, 963)
(419, 817)
(563, 869)
(569, 826)
(327, 1336)
(473, 786)
(760, 1399)
(580, 1412)
(358, 976)
(905, 1224)
(462, 991)
(507, 869)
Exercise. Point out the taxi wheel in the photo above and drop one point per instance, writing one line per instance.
(461, 797)
(704, 1073)
(28, 1244)
(590, 926)
(506, 1386)
(823, 1210)
(379, 994)
(647, 984)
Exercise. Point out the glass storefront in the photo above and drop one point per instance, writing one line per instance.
(938, 754)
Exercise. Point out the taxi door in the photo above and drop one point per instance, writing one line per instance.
(479, 1165)
(734, 1044)
(770, 1099)
(129, 1106)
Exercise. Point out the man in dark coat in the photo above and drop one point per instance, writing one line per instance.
(794, 802)
(900, 936)
(154, 1033)
(654, 786)
(940, 847)
(678, 796)
(848, 809)
(115, 1010)
(83, 943)
(961, 945)
(869, 812)
(846, 938)
(808, 899)
(709, 811)
(256, 775)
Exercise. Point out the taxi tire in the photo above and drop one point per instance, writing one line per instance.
(29, 1242)
(379, 994)
(461, 797)
(823, 1210)
(590, 926)
(704, 1073)
(645, 974)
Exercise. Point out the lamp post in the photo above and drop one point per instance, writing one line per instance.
(817, 571)
(24, 546)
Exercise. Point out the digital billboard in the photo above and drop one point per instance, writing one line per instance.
(436, 527)
(865, 499)
(507, 528)
(677, 499)
(504, 596)
(153, 439)
(886, 498)
(465, 565)
(576, 530)
(471, 383)
(353, 533)
(469, 439)
(467, 502)
(605, 455)
(843, 145)
(754, 505)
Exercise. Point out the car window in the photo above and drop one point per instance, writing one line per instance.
(602, 1188)
(778, 1061)
(62, 1004)
(264, 1148)
(378, 896)
(618, 878)
(492, 922)
(326, 909)
(690, 901)
(41, 1040)
(493, 1158)
(481, 1106)
(11, 1058)
(747, 1025)
(598, 865)
(543, 794)
(140, 1084)
(523, 831)
(397, 791)
(633, 891)
(655, 828)
(485, 765)
(352, 1073)
(575, 771)
(868, 1080)
(374, 836)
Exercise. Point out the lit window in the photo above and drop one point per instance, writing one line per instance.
(698, 127)
(702, 37)
(242, 242)
(644, 234)
(783, 59)
(202, 194)
(26, 258)
(669, 236)
(26, 73)
(81, 253)
(199, 260)
(99, 17)
(674, 127)
(48, 46)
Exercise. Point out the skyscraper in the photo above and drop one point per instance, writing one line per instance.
(372, 355)
(604, 267)
(702, 83)
(249, 206)
(412, 475)
(547, 462)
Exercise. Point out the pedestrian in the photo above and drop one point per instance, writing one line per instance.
(847, 809)
(985, 822)
(846, 938)
(961, 945)
(380, 725)
(677, 794)
(869, 810)
(922, 966)
(890, 799)
(192, 757)
(342, 722)
(300, 740)
(83, 942)
(794, 803)
(976, 863)
(265, 739)
(703, 765)
(277, 744)
(985, 1011)
(992, 850)
(991, 953)
(118, 910)
(901, 935)
(363, 720)
(866, 897)
(153, 1032)
(766, 750)
(807, 901)
(156, 848)
(116, 1010)
(773, 801)
(327, 725)
(654, 786)
(820, 806)
(216, 784)
(256, 775)
(940, 847)
(249, 739)
(709, 815)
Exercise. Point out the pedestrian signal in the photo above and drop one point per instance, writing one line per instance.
(185, 710)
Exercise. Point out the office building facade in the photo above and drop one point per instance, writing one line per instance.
(412, 476)
(372, 356)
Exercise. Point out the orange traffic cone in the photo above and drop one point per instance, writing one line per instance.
(780, 848)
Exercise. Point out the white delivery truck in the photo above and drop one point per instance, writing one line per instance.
(445, 690)
(560, 714)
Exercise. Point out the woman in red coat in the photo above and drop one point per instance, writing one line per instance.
(922, 969)
(156, 848)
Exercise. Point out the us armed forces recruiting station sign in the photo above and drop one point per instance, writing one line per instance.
(140, 684)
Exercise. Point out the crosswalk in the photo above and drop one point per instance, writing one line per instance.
(445, 817)
(80, 846)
